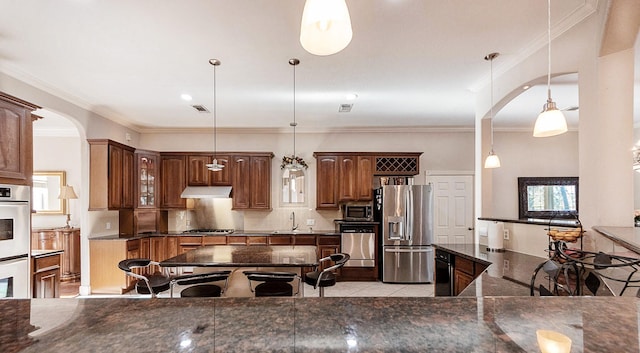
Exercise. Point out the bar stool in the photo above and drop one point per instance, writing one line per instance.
(201, 287)
(275, 284)
(150, 284)
(326, 277)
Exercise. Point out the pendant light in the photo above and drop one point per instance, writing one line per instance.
(325, 28)
(293, 163)
(215, 167)
(551, 121)
(492, 160)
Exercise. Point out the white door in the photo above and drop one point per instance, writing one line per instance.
(453, 208)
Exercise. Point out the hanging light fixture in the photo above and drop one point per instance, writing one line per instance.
(492, 160)
(215, 167)
(326, 26)
(551, 121)
(293, 163)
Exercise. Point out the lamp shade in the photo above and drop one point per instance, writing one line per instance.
(492, 161)
(67, 193)
(326, 26)
(553, 342)
(550, 122)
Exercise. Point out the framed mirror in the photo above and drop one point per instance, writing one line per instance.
(46, 189)
(548, 197)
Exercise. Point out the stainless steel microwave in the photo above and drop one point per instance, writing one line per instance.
(358, 212)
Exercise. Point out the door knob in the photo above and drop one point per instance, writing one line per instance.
(470, 228)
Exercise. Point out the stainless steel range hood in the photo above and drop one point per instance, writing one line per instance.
(206, 192)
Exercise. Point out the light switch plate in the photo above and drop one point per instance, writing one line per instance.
(311, 222)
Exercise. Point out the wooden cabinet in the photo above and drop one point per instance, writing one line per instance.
(16, 140)
(348, 176)
(147, 179)
(46, 275)
(464, 272)
(141, 221)
(65, 239)
(251, 181)
(173, 180)
(111, 175)
(104, 255)
(328, 245)
(327, 182)
(199, 175)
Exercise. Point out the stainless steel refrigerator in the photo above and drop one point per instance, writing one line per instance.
(407, 233)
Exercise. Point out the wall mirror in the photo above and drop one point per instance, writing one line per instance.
(548, 197)
(293, 187)
(46, 188)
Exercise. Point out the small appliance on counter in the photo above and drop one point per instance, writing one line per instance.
(405, 213)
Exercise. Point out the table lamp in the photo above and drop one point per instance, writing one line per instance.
(66, 194)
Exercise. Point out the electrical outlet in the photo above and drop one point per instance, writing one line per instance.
(506, 265)
(107, 225)
(506, 234)
(311, 222)
(188, 222)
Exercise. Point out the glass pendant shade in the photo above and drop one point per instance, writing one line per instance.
(550, 122)
(215, 167)
(326, 26)
(492, 160)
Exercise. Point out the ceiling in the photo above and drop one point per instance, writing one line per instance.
(411, 62)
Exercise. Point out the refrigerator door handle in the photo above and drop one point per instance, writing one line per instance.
(408, 250)
(409, 213)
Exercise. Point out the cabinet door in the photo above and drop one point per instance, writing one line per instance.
(241, 182)
(221, 177)
(347, 180)
(327, 182)
(146, 181)
(173, 181)
(157, 251)
(16, 146)
(364, 179)
(133, 252)
(460, 281)
(128, 179)
(198, 174)
(172, 247)
(115, 177)
(260, 183)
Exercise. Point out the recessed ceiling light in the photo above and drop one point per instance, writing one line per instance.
(186, 97)
(351, 96)
(525, 87)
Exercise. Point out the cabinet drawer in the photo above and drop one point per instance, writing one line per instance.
(191, 241)
(280, 240)
(304, 240)
(214, 240)
(133, 245)
(261, 240)
(464, 265)
(236, 239)
(329, 240)
(46, 263)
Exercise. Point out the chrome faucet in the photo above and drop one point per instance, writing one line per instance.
(292, 217)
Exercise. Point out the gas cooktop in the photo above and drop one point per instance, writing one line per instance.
(209, 231)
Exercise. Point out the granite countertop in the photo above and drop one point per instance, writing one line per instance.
(236, 233)
(571, 222)
(385, 324)
(45, 253)
(242, 255)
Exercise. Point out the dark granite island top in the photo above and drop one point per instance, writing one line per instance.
(241, 255)
(387, 324)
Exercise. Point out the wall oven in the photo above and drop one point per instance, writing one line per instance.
(15, 230)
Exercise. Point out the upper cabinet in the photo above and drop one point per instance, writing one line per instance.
(348, 176)
(199, 175)
(251, 181)
(147, 179)
(173, 179)
(111, 175)
(16, 140)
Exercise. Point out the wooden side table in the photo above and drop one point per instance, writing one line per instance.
(67, 239)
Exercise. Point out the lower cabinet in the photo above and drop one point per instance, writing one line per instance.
(46, 275)
(105, 254)
(328, 245)
(66, 239)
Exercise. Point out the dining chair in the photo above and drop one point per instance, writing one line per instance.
(327, 277)
(145, 284)
(200, 284)
(274, 284)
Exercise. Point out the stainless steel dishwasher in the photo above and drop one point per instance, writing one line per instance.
(358, 240)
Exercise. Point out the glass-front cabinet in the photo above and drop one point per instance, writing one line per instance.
(147, 179)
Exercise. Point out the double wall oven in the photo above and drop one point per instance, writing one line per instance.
(15, 229)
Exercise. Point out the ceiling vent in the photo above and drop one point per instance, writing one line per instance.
(200, 108)
(345, 108)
